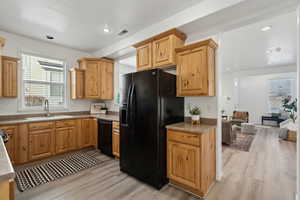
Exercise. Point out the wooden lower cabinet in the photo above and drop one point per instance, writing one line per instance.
(11, 146)
(34, 141)
(41, 144)
(88, 133)
(63, 138)
(116, 139)
(191, 160)
(184, 164)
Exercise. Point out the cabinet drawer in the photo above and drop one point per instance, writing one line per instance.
(116, 125)
(64, 123)
(186, 138)
(40, 126)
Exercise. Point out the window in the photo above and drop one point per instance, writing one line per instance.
(279, 89)
(43, 78)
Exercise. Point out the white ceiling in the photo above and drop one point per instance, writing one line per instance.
(248, 47)
(79, 24)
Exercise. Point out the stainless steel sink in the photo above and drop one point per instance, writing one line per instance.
(49, 117)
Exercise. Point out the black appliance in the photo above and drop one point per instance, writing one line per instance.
(148, 104)
(105, 136)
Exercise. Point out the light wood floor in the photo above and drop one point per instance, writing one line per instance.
(267, 172)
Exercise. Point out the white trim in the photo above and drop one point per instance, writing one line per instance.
(298, 96)
(219, 163)
(21, 106)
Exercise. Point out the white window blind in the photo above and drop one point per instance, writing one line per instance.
(43, 79)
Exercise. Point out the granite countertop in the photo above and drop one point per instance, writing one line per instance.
(6, 170)
(190, 128)
(112, 117)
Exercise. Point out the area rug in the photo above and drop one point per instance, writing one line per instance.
(54, 169)
(242, 142)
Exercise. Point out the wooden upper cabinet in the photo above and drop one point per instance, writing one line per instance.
(9, 76)
(92, 82)
(144, 57)
(77, 83)
(11, 146)
(107, 80)
(196, 69)
(159, 50)
(98, 78)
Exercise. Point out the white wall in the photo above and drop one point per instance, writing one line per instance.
(251, 93)
(16, 44)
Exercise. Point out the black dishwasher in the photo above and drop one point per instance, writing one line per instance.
(105, 136)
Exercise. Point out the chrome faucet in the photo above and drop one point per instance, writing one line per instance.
(46, 107)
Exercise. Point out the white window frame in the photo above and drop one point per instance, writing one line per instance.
(22, 107)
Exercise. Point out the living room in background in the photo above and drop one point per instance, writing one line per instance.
(258, 70)
(42, 79)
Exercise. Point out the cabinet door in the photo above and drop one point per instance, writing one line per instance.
(41, 144)
(106, 85)
(62, 137)
(11, 131)
(183, 164)
(144, 57)
(116, 144)
(92, 78)
(87, 133)
(9, 69)
(77, 84)
(162, 51)
(192, 72)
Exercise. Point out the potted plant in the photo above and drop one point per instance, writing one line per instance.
(290, 106)
(195, 114)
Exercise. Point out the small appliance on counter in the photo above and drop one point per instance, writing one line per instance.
(4, 136)
(98, 108)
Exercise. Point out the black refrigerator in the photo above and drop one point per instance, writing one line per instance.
(148, 104)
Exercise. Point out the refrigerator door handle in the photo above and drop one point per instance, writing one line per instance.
(132, 111)
(128, 108)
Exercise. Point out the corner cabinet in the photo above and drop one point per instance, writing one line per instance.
(9, 76)
(196, 69)
(191, 160)
(159, 51)
(96, 79)
(11, 146)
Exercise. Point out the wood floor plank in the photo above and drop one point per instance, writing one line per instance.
(266, 172)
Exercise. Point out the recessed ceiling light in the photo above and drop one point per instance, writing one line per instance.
(106, 29)
(49, 37)
(266, 28)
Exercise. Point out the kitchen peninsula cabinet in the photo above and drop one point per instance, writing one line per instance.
(191, 160)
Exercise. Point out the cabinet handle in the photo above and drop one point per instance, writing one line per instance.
(23, 148)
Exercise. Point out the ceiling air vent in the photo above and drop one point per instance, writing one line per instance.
(123, 32)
